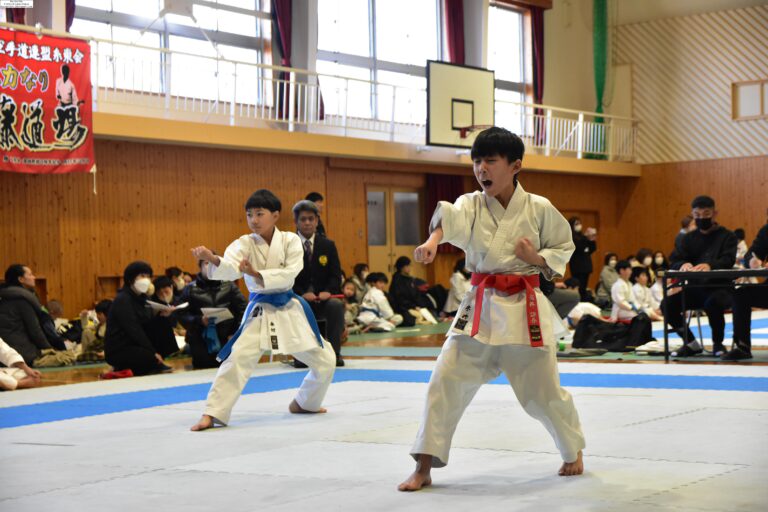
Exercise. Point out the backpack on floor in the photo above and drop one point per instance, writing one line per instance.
(613, 337)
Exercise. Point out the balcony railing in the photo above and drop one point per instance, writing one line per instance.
(156, 82)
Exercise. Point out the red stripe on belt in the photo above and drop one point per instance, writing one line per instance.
(511, 284)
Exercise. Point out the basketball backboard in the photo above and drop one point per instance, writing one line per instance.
(458, 98)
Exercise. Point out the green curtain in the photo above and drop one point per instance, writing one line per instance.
(600, 56)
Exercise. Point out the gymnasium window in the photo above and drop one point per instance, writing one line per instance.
(506, 52)
(373, 40)
(241, 30)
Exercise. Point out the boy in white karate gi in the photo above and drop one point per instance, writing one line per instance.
(625, 306)
(276, 319)
(504, 324)
(375, 310)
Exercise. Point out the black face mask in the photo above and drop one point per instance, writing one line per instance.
(704, 224)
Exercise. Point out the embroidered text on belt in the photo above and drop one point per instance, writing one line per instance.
(511, 284)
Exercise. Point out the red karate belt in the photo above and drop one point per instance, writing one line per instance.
(510, 284)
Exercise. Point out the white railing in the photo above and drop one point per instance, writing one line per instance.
(156, 82)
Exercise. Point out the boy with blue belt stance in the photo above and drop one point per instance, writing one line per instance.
(276, 319)
(504, 324)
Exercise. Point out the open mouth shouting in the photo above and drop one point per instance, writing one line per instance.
(486, 183)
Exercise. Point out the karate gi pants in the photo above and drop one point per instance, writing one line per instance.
(466, 364)
(235, 371)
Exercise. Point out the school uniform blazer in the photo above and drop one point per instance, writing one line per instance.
(324, 271)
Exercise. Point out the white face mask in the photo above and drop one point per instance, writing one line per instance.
(612, 263)
(647, 261)
(659, 260)
(180, 283)
(142, 285)
(577, 228)
(364, 274)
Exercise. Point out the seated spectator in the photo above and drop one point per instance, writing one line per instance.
(317, 198)
(564, 295)
(188, 278)
(92, 340)
(68, 331)
(15, 373)
(461, 282)
(20, 312)
(745, 298)
(741, 248)
(405, 298)
(205, 336)
(358, 279)
(643, 296)
(645, 258)
(657, 293)
(176, 275)
(351, 306)
(660, 263)
(375, 310)
(161, 327)
(126, 344)
(608, 276)
(321, 276)
(632, 259)
(709, 247)
(687, 224)
(625, 305)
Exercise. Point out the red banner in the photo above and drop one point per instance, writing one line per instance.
(46, 118)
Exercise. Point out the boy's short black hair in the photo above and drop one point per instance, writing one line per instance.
(162, 282)
(13, 273)
(134, 269)
(740, 234)
(498, 141)
(402, 261)
(304, 205)
(103, 306)
(637, 271)
(173, 272)
(314, 197)
(622, 265)
(377, 277)
(263, 198)
(702, 202)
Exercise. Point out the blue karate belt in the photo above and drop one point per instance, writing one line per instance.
(275, 299)
(374, 311)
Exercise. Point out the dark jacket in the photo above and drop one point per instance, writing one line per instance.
(403, 294)
(125, 323)
(581, 259)
(716, 248)
(323, 274)
(204, 293)
(20, 328)
(760, 245)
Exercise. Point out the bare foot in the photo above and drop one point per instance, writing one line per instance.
(572, 468)
(295, 408)
(420, 477)
(205, 423)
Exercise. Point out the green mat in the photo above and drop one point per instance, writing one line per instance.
(401, 332)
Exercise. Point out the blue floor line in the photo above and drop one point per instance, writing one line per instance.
(22, 415)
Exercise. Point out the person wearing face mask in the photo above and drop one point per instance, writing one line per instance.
(581, 259)
(176, 275)
(709, 247)
(608, 276)
(360, 272)
(126, 344)
(205, 334)
(645, 259)
(659, 262)
(20, 312)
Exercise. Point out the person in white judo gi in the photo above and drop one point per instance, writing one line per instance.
(276, 319)
(504, 324)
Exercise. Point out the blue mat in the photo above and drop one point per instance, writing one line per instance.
(706, 332)
(22, 415)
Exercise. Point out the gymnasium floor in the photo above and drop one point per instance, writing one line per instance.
(659, 437)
